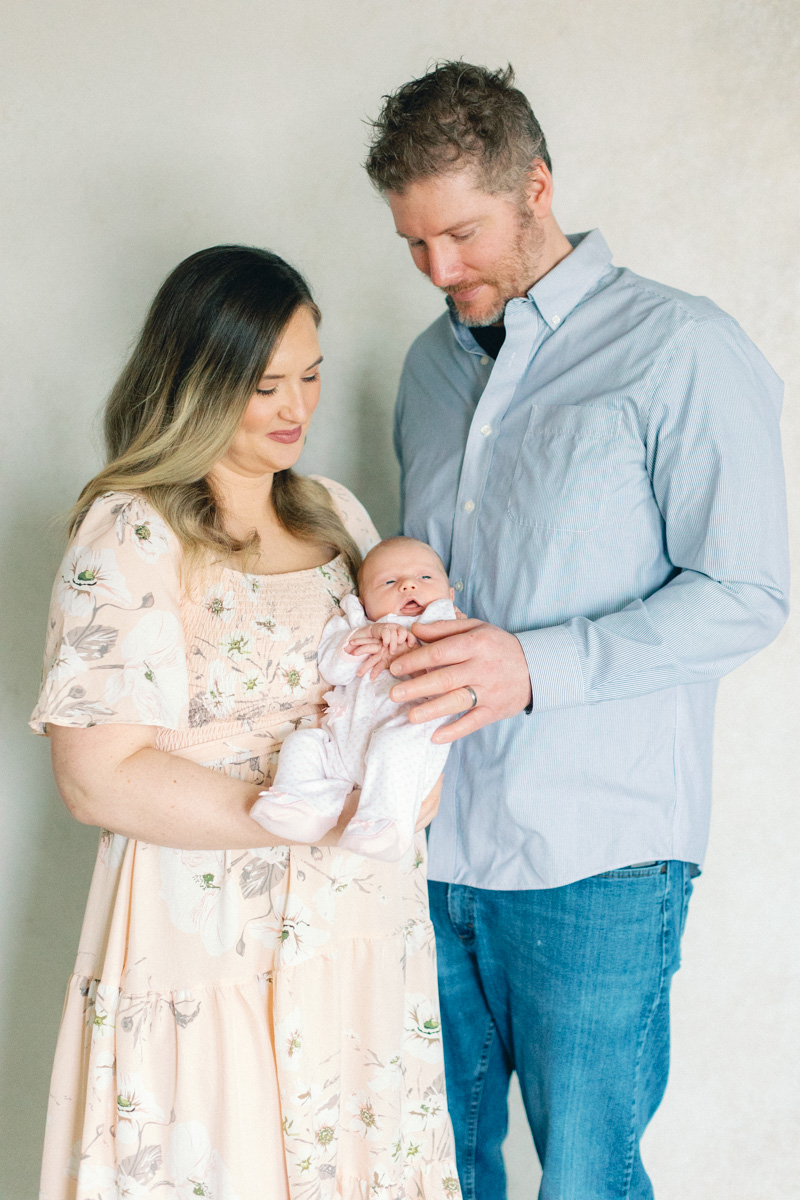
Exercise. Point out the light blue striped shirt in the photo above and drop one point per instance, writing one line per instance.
(611, 491)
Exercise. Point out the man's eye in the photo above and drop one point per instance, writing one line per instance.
(462, 237)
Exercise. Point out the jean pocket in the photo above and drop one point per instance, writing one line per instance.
(562, 473)
(658, 868)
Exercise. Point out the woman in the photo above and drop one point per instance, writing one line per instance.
(248, 1020)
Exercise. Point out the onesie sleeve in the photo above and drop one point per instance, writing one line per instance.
(336, 666)
(115, 649)
(354, 516)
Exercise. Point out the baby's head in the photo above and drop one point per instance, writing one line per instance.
(403, 576)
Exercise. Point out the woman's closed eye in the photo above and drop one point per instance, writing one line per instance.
(271, 391)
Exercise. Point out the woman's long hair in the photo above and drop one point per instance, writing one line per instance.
(175, 409)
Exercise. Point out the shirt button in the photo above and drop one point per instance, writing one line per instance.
(486, 430)
(469, 505)
(459, 585)
(556, 319)
(484, 359)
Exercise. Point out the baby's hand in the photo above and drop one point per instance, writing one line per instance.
(395, 637)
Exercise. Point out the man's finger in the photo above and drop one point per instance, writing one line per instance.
(446, 705)
(433, 683)
(476, 718)
(445, 652)
(435, 630)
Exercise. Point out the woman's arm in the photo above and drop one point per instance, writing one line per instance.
(112, 776)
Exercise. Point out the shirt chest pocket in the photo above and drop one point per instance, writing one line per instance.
(562, 475)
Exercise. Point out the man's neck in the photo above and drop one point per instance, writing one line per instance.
(555, 247)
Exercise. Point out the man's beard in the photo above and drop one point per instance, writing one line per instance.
(514, 273)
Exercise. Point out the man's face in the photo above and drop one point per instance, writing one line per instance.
(481, 249)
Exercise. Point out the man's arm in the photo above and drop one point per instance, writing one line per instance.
(713, 455)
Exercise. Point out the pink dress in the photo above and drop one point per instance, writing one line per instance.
(241, 1025)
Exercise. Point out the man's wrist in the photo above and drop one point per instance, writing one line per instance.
(554, 667)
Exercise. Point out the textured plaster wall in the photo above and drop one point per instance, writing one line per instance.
(134, 134)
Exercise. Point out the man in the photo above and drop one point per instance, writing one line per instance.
(596, 458)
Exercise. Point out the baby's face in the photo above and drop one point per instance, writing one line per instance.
(402, 578)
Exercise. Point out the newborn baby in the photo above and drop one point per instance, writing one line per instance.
(365, 738)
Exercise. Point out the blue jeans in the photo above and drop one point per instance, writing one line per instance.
(569, 987)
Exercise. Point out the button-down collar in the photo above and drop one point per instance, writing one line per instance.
(555, 295)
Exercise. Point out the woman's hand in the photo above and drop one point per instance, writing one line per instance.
(430, 805)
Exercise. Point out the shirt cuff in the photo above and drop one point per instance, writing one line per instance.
(554, 667)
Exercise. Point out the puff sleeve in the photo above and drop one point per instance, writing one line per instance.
(355, 517)
(115, 649)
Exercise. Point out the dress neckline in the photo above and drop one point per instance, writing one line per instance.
(283, 574)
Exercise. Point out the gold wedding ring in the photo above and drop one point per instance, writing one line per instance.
(472, 693)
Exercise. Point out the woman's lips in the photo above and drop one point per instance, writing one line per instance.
(286, 435)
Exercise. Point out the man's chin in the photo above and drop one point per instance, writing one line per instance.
(479, 314)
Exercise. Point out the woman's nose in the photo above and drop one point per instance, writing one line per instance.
(296, 407)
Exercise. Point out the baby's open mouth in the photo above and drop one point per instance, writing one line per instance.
(411, 608)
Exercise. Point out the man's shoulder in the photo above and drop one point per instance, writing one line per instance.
(434, 342)
(677, 308)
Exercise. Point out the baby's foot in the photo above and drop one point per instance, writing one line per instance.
(291, 817)
(377, 839)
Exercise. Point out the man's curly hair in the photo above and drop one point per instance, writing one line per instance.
(456, 114)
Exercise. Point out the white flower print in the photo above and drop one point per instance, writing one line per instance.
(344, 869)
(148, 532)
(90, 577)
(363, 1118)
(297, 674)
(389, 1076)
(200, 897)
(135, 1106)
(112, 849)
(220, 604)
(423, 1029)
(153, 671)
(426, 1113)
(294, 934)
(289, 1040)
(267, 626)
(236, 645)
(104, 1065)
(220, 689)
(197, 1169)
(450, 1184)
(97, 1181)
(253, 585)
(67, 663)
(106, 1001)
(252, 682)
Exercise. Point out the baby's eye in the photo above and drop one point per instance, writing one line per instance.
(389, 582)
(426, 576)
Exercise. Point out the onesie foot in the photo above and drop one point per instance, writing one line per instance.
(292, 818)
(377, 839)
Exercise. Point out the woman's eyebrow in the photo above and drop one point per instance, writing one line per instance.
(311, 368)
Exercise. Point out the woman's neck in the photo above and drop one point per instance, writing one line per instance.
(245, 500)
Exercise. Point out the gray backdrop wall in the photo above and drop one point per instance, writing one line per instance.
(137, 133)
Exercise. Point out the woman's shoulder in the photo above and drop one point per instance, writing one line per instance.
(355, 517)
(126, 520)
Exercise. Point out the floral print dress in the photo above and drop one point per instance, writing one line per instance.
(241, 1025)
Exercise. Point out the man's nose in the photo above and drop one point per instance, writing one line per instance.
(444, 266)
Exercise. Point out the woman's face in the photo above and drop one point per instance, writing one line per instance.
(274, 426)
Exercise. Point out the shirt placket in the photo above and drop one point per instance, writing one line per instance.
(525, 331)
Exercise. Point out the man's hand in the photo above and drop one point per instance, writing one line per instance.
(463, 654)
